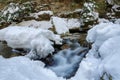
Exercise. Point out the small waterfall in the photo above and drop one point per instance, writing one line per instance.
(66, 62)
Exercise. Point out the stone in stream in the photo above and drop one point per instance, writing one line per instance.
(6, 51)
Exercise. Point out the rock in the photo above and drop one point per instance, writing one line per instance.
(78, 37)
(6, 51)
(113, 2)
(72, 14)
(42, 15)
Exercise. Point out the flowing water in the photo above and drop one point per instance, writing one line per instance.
(66, 62)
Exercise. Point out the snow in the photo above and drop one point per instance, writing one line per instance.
(36, 24)
(103, 58)
(87, 69)
(116, 8)
(102, 20)
(110, 53)
(101, 32)
(88, 13)
(117, 21)
(70, 23)
(21, 68)
(36, 15)
(60, 25)
(110, 2)
(78, 10)
(38, 40)
(12, 8)
(73, 23)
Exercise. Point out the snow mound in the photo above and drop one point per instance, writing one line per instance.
(60, 25)
(103, 58)
(101, 32)
(21, 68)
(87, 69)
(37, 40)
(110, 54)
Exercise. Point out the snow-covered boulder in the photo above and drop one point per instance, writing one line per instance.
(60, 25)
(73, 23)
(42, 15)
(110, 54)
(101, 32)
(38, 40)
(36, 24)
(22, 68)
(102, 61)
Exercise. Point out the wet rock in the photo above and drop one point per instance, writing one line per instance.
(6, 51)
(78, 37)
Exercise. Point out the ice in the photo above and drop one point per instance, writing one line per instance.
(37, 40)
(22, 68)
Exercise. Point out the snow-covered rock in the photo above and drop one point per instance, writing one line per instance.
(36, 24)
(73, 23)
(36, 15)
(113, 2)
(116, 8)
(60, 25)
(110, 53)
(101, 32)
(38, 40)
(21, 68)
(103, 59)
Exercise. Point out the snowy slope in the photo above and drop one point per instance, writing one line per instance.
(21, 68)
